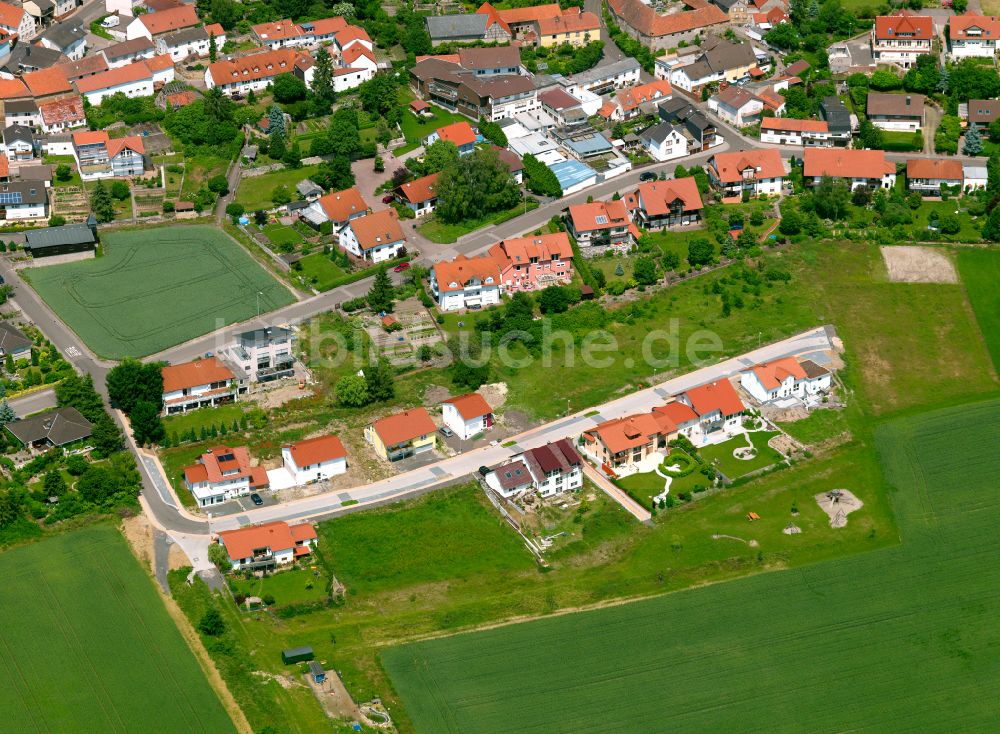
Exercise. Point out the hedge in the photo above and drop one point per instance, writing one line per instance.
(688, 465)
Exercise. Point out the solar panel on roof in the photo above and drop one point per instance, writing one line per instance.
(10, 197)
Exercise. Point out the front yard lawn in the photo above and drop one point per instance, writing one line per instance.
(294, 586)
(721, 455)
(415, 129)
(319, 271)
(203, 418)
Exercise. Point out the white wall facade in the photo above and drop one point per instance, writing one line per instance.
(464, 429)
(141, 88)
(312, 472)
(379, 253)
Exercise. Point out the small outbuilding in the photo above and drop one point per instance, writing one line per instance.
(63, 240)
(317, 672)
(297, 655)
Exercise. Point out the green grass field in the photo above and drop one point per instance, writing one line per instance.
(157, 287)
(980, 271)
(88, 645)
(721, 454)
(320, 272)
(255, 191)
(898, 640)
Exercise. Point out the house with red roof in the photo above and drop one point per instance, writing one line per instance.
(376, 237)
(643, 23)
(337, 207)
(549, 470)
(573, 26)
(265, 547)
(466, 282)
(719, 410)
(99, 156)
(402, 435)
(420, 194)
(324, 29)
(460, 133)
(602, 224)
(972, 35)
(901, 38)
(223, 473)
(15, 20)
(281, 34)
(256, 71)
(203, 383)
(789, 131)
(788, 377)
(132, 80)
(467, 415)
(928, 175)
(535, 262)
(857, 167)
(752, 172)
(314, 459)
(623, 443)
(638, 100)
(670, 203)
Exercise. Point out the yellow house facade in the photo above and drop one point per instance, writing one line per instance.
(402, 435)
(576, 29)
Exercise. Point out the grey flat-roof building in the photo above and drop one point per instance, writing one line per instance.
(62, 240)
(54, 428)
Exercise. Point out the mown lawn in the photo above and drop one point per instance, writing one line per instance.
(416, 129)
(437, 231)
(292, 586)
(280, 236)
(319, 271)
(818, 427)
(721, 455)
(980, 271)
(255, 191)
(203, 417)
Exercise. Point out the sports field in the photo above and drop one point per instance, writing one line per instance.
(157, 287)
(902, 639)
(88, 646)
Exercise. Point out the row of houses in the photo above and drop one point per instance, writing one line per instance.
(541, 25)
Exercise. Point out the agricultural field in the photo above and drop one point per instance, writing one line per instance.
(980, 272)
(89, 646)
(177, 282)
(904, 636)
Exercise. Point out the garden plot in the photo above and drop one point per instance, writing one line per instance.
(71, 202)
(415, 329)
(914, 264)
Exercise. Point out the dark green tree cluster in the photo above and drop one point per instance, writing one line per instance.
(474, 186)
(101, 203)
(539, 179)
(137, 390)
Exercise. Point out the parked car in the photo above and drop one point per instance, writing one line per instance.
(446, 432)
(256, 499)
(647, 176)
(387, 199)
(401, 267)
(484, 470)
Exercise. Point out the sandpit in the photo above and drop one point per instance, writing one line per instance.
(792, 529)
(914, 264)
(745, 453)
(838, 504)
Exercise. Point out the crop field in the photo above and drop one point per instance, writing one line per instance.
(157, 287)
(898, 640)
(88, 646)
(980, 271)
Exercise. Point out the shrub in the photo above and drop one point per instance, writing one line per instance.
(685, 462)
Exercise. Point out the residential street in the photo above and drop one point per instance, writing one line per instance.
(34, 402)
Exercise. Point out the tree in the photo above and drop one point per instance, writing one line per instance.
(439, 155)
(973, 141)
(130, 382)
(783, 36)
(234, 210)
(475, 185)
(280, 195)
(322, 81)
(885, 81)
(380, 380)
(293, 156)
(948, 223)
(147, 428)
(492, 132)
(670, 261)
(275, 121)
(378, 96)
(700, 252)
(106, 436)
(288, 88)
(991, 230)
(352, 391)
(63, 172)
(57, 220)
(554, 299)
(54, 484)
(831, 197)
(213, 50)
(101, 203)
(211, 623)
(219, 557)
(335, 175)
(971, 80)
(644, 271)
(7, 414)
(381, 294)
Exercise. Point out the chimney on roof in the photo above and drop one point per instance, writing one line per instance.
(907, 100)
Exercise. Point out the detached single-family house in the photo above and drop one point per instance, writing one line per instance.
(420, 195)
(903, 112)
(263, 355)
(973, 35)
(13, 342)
(756, 172)
(459, 133)
(982, 112)
(65, 113)
(269, 545)
(24, 200)
(602, 224)
(338, 207)
(671, 203)
(203, 383)
(466, 283)
(549, 470)
(719, 61)
(902, 38)
(223, 473)
(53, 428)
(857, 167)
(666, 141)
(785, 378)
(18, 143)
(402, 435)
(467, 415)
(789, 131)
(624, 442)
(736, 105)
(719, 409)
(535, 262)
(98, 156)
(928, 175)
(16, 21)
(314, 459)
(638, 100)
(682, 113)
(376, 237)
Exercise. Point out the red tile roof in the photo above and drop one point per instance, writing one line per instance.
(279, 30)
(942, 168)
(646, 20)
(90, 137)
(276, 535)
(528, 14)
(460, 133)
(223, 463)
(193, 374)
(355, 52)
(624, 434)
(10, 16)
(172, 19)
(351, 33)
(719, 395)
(328, 26)
(13, 89)
(470, 406)
(44, 82)
(118, 76)
(132, 142)
(790, 123)
(402, 427)
(340, 205)
(677, 412)
(258, 66)
(420, 190)
(766, 163)
(181, 99)
(569, 22)
(960, 25)
(657, 196)
(317, 450)
(377, 228)
(916, 27)
(585, 217)
(452, 275)
(159, 63)
(843, 163)
(772, 374)
(520, 250)
(215, 29)
(633, 97)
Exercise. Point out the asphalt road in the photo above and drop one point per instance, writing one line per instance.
(34, 403)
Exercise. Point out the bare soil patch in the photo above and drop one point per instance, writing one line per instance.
(914, 264)
(838, 504)
(139, 534)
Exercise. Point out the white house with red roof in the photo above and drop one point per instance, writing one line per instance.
(901, 38)
(154, 25)
(634, 101)
(132, 80)
(755, 172)
(376, 237)
(789, 131)
(788, 377)
(551, 469)
(16, 20)
(223, 473)
(420, 195)
(972, 35)
(314, 459)
(99, 156)
(856, 167)
(602, 224)
(928, 175)
(719, 410)
(338, 207)
(467, 415)
(669, 203)
(535, 262)
(258, 70)
(268, 546)
(356, 65)
(203, 383)
(460, 133)
(466, 283)
(281, 34)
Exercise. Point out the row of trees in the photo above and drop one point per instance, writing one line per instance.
(137, 390)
